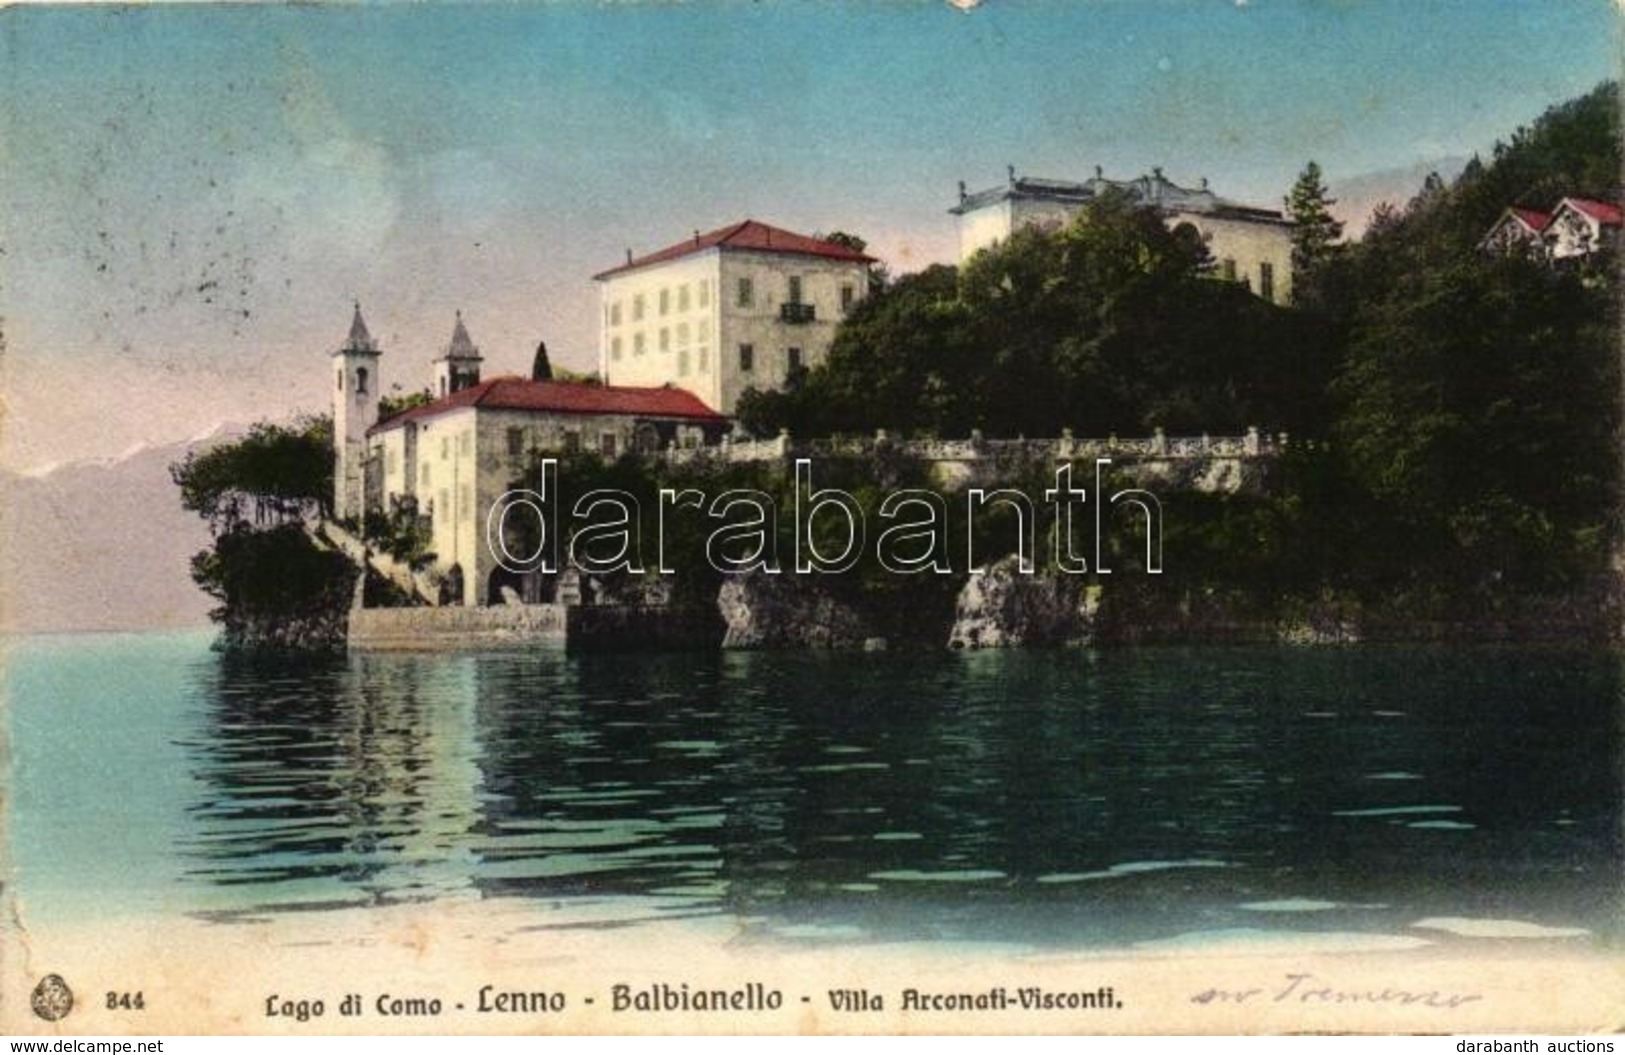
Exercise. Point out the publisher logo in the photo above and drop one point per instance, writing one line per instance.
(52, 998)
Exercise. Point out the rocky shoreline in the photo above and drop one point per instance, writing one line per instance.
(998, 608)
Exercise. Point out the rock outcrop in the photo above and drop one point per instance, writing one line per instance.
(788, 611)
(1002, 608)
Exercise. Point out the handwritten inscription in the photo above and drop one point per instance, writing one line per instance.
(1307, 989)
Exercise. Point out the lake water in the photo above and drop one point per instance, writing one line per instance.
(1045, 798)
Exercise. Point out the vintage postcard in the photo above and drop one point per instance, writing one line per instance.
(811, 518)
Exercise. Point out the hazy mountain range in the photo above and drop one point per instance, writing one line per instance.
(102, 545)
(1358, 196)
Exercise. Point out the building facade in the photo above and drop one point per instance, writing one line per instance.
(1581, 227)
(447, 462)
(740, 307)
(1248, 245)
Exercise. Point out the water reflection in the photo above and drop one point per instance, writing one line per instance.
(1040, 797)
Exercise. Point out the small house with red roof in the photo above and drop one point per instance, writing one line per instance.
(1518, 231)
(450, 459)
(1582, 226)
(739, 307)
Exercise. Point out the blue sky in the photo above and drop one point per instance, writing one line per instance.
(193, 195)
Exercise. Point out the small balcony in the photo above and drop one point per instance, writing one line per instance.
(797, 313)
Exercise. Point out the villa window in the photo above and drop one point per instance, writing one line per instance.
(361, 381)
(1266, 281)
(747, 358)
(637, 308)
(615, 314)
(682, 297)
(747, 294)
(795, 289)
(848, 296)
(606, 444)
(637, 344)
(665, 339)
(615, 349)
(793, 358)
(516, 442)
(665, 301)
(1227, 269)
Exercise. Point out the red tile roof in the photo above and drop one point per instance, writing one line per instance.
(748, 235)
(1601, 211)
(559, 397)
(1534, 219)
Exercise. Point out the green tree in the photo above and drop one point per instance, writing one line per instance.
(274, 474)
(391, 405)
(276, 587)
(1314, 230)
(1480, 412)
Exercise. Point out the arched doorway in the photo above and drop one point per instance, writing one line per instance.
(501, 577)
(646, 438)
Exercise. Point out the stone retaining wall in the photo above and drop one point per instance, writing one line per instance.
(593, 628)
(437, 629)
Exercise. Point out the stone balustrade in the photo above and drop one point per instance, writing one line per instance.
(1157, 446)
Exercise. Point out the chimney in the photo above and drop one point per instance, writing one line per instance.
(628, 254)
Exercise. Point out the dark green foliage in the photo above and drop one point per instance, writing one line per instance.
(902, 607)
(1471, 402)
(1110, 325)
(402, 534)
(276, 587)
(1314, 230)
(1477, 396)
(275, 473)
(389, 406)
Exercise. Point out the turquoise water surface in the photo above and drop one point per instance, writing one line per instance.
(1047, 798)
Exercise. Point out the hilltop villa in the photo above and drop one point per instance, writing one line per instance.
(450, 459)
(739, 307)
(1248, 245)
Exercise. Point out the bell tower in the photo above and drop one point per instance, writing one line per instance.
(459, 365)
(355, 409)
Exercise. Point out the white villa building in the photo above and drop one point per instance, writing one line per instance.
(450, 459)
(739, 307)
(1248, 244)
